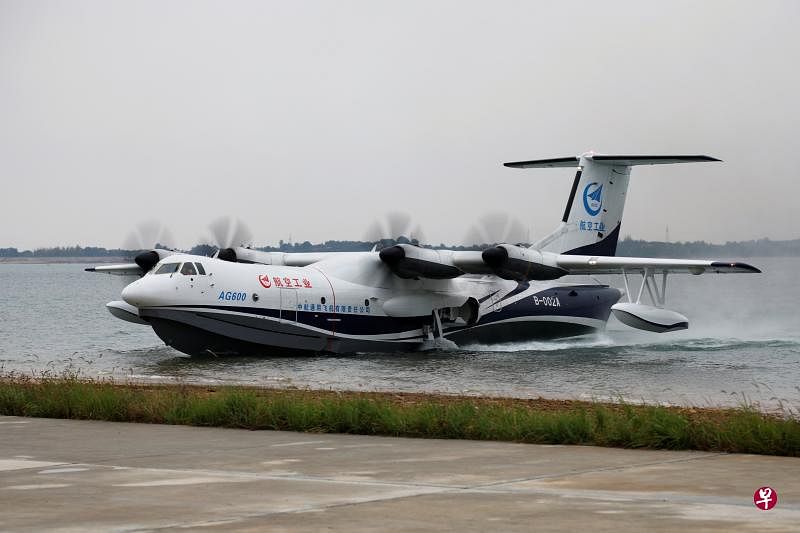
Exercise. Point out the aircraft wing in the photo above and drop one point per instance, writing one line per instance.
(301, 259)
(470, 262)
(438, 264)
(564, 264)
(295, 259)
(584, 264)
(126, 269)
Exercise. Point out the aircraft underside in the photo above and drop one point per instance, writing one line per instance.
(225, 330)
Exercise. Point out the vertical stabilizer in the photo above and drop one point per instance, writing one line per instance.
(593, 215)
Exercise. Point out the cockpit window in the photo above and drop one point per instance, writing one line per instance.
(200, 269)
(168, 268)
(188, 269)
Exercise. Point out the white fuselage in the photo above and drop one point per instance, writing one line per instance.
(348, 302)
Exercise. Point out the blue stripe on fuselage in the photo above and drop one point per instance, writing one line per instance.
(585, 301)
(344, 323)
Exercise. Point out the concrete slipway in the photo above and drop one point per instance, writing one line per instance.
(71, 475)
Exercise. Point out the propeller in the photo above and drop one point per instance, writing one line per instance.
(395, 227)
(141, 242)
(148, 235)
(494, 228)
(227, 232)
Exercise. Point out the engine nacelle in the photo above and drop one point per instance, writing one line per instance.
(246, 255)
(409, 261)
(649, 318)
(148, 259)
(509, 261)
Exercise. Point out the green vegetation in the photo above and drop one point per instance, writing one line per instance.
(742, 430)
(63, 251)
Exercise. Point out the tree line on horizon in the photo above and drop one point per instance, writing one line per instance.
(627, 247)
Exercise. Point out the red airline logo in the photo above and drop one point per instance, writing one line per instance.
(284, 283)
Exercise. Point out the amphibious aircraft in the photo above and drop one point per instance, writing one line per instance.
(407, 297)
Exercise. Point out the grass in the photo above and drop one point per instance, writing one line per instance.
(740, 430)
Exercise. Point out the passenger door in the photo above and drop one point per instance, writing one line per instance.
(289, 304)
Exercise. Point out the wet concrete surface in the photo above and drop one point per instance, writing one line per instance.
(71, 475)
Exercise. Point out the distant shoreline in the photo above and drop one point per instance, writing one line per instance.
(626, 247)
(61, 260)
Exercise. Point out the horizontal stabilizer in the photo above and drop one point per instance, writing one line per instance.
(631, 160)
(621, 160)
(545, 163)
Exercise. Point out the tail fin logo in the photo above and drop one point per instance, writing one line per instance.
(593, 198)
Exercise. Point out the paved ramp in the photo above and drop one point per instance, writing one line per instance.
(80, 475)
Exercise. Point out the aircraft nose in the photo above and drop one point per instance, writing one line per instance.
(134, 293)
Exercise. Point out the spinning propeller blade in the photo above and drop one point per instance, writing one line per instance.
(395, 227)
(494, 228)
(228, 231)
(141, 242)
(148, 235)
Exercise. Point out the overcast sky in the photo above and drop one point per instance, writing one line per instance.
(312, 119)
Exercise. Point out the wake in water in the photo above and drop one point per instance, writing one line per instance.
(594, 340)
(681, 341)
